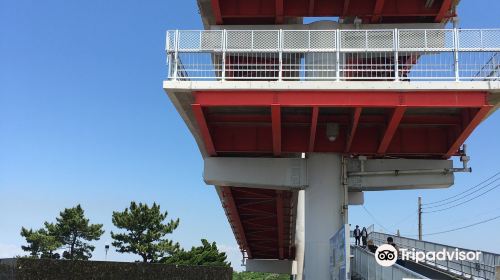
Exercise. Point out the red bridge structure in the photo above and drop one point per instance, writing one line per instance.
(295, 121)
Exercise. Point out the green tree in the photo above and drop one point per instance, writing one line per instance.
(40, 243)
(72, 229)
(145, 232)
(207, 254)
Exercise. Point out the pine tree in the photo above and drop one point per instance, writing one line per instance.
(72, 229)
(40, 243)
(145, 232)
(207, 254)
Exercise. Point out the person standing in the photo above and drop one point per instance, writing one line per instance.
(364, 236)
(357, 235)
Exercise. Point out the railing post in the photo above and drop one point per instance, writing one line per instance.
(396, 55)
(455, 52)
(366, 40)
(481, 42)
(337, 53)
(280, 51)
(309, 40)
(169, 56)
(176, 54)
(224, 38)
(252, 40)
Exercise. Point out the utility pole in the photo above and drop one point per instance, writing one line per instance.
(420, 218)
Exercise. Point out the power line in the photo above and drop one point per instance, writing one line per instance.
(468, 226)
(414, 213)
(456, 205)
(473, 217)
(455, 229)
(460, 198)
(466, 191)
(375, 219)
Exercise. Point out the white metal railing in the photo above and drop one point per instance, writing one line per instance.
(389, 54)
(483, 269)
(364, 266)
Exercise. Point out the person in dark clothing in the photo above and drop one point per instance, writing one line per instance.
(357, 235)
(399, 261)
(364, 236)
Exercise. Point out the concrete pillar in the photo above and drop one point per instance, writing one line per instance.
(322, 208)
(299, 237)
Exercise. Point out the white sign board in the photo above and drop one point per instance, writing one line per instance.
(340, 254)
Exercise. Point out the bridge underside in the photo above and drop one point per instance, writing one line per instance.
(263, 221)
(432, 124)
(282, 11)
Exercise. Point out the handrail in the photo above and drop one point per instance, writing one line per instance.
(483, 269)
(379, 54)
(365, 266)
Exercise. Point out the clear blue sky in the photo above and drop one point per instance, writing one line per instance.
(84, 119)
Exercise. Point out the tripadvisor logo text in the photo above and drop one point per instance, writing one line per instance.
(387, 255)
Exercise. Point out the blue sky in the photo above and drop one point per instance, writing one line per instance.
(84, 119)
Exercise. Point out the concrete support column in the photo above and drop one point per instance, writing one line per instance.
(322, 208)
(299, 237)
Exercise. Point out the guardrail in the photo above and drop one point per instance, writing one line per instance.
(364, 266)
(483, 269)
(339, 55)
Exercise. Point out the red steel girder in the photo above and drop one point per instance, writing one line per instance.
(411, 140)
(269, 12)
(314, 124)
(379, 4)
(381, 99)
(396, 117)
(434, 135)
(217, 12)
(279, 11)
(232, 211)
(311, 7)
(345, 7)
(276, 124)
(354, 126)
(265, 218)
(445, 7)
(263, 120)
(468, 128)
(204, 130)
(252, 193)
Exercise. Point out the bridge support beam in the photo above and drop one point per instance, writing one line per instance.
(264, 173)
(271, 266)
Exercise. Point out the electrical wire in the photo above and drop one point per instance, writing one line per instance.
(413, 214)
(474, 216)
(456, 205)
(460, 198)
(375, 219)
(454, 229)
(466, 191)
(464, 227)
